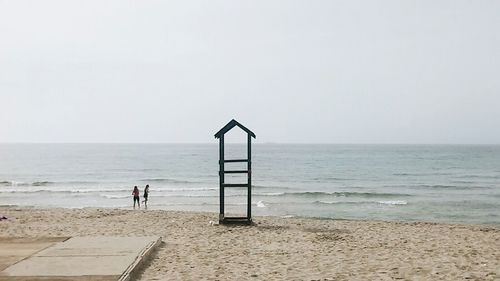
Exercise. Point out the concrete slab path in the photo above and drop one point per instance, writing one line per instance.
(13, 250)
(85, 258)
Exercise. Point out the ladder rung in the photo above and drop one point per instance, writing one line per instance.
(237, 172)
(235, 185)
(235, 160)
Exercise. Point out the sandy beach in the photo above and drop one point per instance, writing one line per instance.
(280, 248)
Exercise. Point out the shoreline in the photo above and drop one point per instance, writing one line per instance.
(216, 215)
(277, 248)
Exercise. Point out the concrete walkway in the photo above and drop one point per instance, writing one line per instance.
(13, 250)
(77, 258)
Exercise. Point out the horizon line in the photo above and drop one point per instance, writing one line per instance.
(260, 143)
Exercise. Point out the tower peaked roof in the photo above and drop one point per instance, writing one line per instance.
(231, 125)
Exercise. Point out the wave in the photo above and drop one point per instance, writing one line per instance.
(9, 205)
(447, 186)
(77, 182)
(158, 193)
(42, 183)
(344, 194)
(332, 179)
(258, 204)
(62, 191)
(478, 177)
(166, 180)
(14, 183)
(165, 193)
(320, 202)
(112, 196)
(396, 202)
(437, 186)
(135, 170)
(177, 189)
(268, 187)
(13, 189)
(268, 193)
(422, 174)
(463, 181)
(192, 196)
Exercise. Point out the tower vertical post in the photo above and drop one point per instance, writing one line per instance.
(249, 169)
(221, 179)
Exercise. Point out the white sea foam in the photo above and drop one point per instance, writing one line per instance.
(396, 202)
(261, 204)
(269, 194)
(187, 189)
(113, 196)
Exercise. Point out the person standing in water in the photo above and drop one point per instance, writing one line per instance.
(135, 193)
(146, 194)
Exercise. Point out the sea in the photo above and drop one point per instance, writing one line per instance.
(433, 183)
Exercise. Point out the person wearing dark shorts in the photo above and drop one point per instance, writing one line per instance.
(135, 193)
(146, 194)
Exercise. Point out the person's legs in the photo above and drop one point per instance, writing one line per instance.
(136, 199)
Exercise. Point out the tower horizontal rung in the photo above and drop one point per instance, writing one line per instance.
(235, 185)
(235, 160)
(237, 172)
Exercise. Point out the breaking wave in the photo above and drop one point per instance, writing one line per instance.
(397, 202)
(44, 183)
(113, 196)
(343, 194)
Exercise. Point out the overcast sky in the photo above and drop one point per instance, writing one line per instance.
(292, 71)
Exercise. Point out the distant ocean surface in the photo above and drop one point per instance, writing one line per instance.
(437, 183)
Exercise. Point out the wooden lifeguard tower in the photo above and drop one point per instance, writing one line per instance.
(222, 185)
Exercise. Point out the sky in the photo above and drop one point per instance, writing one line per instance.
(336, 71)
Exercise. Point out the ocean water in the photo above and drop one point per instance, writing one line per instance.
(437, 183)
